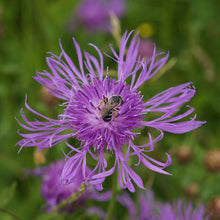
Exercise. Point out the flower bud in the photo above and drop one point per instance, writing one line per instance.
(212, 160)
(39, 157)
(213, 208)
(184, 154)
(47, 98)
(192, 190)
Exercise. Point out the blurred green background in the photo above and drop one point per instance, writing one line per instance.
(189, 30)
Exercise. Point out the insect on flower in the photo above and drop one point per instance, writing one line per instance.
(96, 107)
(110, 106)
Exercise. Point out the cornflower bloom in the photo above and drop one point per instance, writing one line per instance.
(180, 211)
(149, 208)
(54, 192)
(103, 113)
(94, 14)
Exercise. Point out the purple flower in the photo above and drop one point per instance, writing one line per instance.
(54, 192)
(180, 210)
(149, 208)
(94, 14)
(146, 48)
(87, 94)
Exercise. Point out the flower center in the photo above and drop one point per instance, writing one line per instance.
(104, 113)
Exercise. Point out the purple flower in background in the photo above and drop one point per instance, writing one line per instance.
(146, 48)
(54, 192)
(149, 208)
(180, 210)
(103, 113)
(94, 14)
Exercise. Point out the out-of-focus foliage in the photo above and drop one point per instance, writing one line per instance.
(189, 30)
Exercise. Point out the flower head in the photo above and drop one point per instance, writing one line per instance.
(180, 210)
(54, 192)
(149, 208)
(105, 125)
(94, 14)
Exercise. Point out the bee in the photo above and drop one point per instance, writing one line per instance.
(110, 107)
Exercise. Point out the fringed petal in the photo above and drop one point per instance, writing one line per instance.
(126, 174)
(170, 99)
(149, 69)
(99, 66)
(43, 134)
(156, 166)
(72, 167)
(177, 127)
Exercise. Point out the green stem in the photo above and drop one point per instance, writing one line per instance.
(72, 198)
(9, 213)
(113, 199)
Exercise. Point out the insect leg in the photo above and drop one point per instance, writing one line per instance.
(104, 99)
(115, 110)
